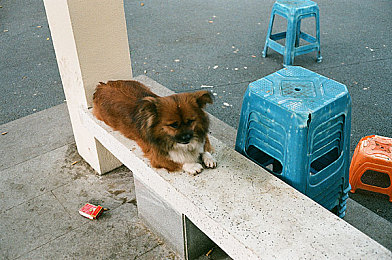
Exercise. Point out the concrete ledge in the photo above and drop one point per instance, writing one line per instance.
(246, 211)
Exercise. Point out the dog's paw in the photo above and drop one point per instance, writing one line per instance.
(208, 160)
(192, 168)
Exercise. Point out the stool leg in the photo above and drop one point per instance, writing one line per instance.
(319, 58)
(390, 185)
(289, 49)
(264, 53)
(298, 33)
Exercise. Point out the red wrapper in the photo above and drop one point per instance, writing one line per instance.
(90, 211)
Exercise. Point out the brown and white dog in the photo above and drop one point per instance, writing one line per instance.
(172, 131)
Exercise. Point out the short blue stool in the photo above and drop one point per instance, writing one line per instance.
(296, 124)
(294, 11)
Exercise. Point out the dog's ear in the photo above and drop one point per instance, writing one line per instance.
(203, 97)
(147, 112)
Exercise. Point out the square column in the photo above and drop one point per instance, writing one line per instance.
(91, 45)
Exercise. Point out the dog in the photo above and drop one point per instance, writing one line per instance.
(172, 131)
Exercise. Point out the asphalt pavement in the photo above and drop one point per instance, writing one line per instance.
(191, 45)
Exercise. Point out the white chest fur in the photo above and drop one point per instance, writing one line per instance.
(187, 153)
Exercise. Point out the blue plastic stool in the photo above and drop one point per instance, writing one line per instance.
(293, 11)
(296, 124)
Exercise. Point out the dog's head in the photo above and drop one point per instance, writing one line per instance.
(175, 119)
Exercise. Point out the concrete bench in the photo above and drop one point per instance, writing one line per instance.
(238, 206)
(246, 211)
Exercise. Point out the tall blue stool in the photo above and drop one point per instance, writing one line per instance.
(294, 11)
(296, 124)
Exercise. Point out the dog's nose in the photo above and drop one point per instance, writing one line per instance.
(185, 138)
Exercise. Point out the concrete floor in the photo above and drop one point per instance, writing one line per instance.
(44, 182)
(43, 187)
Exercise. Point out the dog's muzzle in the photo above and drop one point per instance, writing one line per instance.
(184, 138)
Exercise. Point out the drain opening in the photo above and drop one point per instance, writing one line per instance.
(374, 178)
(264, 160)
(322, 162)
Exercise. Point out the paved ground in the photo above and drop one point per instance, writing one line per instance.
(184, 45)
(43, 183)
(42, 188)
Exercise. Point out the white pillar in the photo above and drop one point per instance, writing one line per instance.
(91, 45)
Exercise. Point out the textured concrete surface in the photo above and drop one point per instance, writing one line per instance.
(42, 194)
(23, 140)
(42, 189)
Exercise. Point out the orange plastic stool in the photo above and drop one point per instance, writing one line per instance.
(373, 153)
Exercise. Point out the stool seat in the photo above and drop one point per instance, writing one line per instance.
(294, 12)
(296, 124)
(296, 5)
(373, 153)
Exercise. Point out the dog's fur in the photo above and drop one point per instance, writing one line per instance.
(172, 131)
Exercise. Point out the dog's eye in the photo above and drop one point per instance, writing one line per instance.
(189, 122)
(174, 125)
